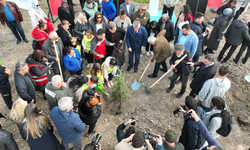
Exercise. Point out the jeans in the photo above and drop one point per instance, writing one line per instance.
(242, 49)
(205, 108)
(76, 146)
(184, 80)
(56, 71)
(176, 34)
(5, 91)
(157, 67)
(196, 59)
(137, 57)
(15, 28)
(229, 54)
(169, 10)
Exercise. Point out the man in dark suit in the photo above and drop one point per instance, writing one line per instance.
(128, 7)
(206, 71)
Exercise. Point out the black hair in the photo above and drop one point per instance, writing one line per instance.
(153, 23)
(129, 131)
(220, 104)
(94, 79)
(187, 9)
(89, 147)
(77, 81)
(223, 70)
(191, 103)
(138, 140)
(123, 12)
(89, 31)
(186, 26)
(230, 2)
(41, 24)
(100, 32)
(210, 57)
(89, 1)
(199, 15)
(113, 62)
(67, 50)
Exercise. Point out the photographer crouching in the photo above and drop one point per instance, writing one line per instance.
(131, 130)
(95, 145)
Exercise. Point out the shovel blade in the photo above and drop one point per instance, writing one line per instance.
(147, 89)
(136, 85)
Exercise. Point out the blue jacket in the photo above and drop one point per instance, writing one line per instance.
(73, 63)
(191, 42)
(68, 124)
(109, 9)
(136, 40)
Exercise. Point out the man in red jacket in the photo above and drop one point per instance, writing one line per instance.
(12, 16)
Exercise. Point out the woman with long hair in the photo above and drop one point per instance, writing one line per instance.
(74, 87)
(37, 130)
(39, 33)
(82, 25)
(17, 111)
(213, 124)
(97, 71)
(98, 22)
(185, 15)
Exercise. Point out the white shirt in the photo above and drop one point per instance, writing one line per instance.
(98, 26)
(127, 8)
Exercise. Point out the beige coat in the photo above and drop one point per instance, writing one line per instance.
(162, 49)
(125, 144)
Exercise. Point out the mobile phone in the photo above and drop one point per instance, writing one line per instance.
(206, 32)
(153, 134)
(187, 115)
(99, 97)
(176, 111)
(133, 123)
(51, 63)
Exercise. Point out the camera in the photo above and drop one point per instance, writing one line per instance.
(206, 32)
(147, 134)
(133, 123)
(176, 111)
(96, 140)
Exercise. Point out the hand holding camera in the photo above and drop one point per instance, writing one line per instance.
(158, 139)
(131, 121)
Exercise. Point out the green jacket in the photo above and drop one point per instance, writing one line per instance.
(144, 19)
(91, 11)
(53, 95)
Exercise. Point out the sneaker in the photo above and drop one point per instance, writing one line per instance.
(91, 134)
(179, 95)
(151, 52)
(88, 66)
(111, 83)
(108, 84)
(91, 65)
(147, 53)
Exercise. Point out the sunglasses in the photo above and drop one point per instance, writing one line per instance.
(38, 5)
(143, 9)
(98, 17)
(65, 22)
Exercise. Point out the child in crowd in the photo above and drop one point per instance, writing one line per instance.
(92, 83)
(86, 44)
(109, 70)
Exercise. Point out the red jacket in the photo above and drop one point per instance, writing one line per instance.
(40, 81)
(39, 36)
(100, 48)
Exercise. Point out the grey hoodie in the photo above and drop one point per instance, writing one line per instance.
(213, 87)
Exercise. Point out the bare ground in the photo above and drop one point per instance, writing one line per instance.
(153, 111)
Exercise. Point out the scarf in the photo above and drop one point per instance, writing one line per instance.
(67, 8)
(39, 12)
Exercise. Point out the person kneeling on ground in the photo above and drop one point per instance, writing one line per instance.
(109, 70)
(91, 84)
(120, 134)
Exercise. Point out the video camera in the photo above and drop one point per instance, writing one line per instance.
(147, 134)
(96, 140)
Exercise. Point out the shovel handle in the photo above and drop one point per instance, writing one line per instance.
(146, 66)
(168, 71)
(59, 65)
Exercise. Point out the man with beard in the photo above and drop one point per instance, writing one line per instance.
(182, 70)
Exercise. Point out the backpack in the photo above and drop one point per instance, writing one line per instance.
(224, 131)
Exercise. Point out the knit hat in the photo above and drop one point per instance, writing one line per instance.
(165, 17)
(227, 11)
(170, 136)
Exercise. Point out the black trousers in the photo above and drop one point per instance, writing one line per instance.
(147, 47)
(169, 10)
(82, 3)
(238, 13)
(242, 49)
(89, 57)
(99, 60)
(5, 90)
(229, 54)
(184, 80)
(157, 67)
(70, 2)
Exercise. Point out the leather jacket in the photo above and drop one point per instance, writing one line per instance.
(6, 141)
(14, 10)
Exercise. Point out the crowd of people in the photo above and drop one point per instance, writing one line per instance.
(102, 34)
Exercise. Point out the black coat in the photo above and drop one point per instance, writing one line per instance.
(119, 132)
(6, 141)
(220, 25)
(169, 27)
(120, 34)
(64, 36)
(37, 71)
(88, 115)
(149, 28)
(199, 29)
(246, 42)
(63, 15)
(221, 9)
(25, 86)
(47, 141)
(79, 28)
(4, 77)
(191, 137)
(202, 75)
(237, 32)
(182, 67)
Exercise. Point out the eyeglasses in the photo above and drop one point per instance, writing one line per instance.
(143, 9)
(37, 5)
